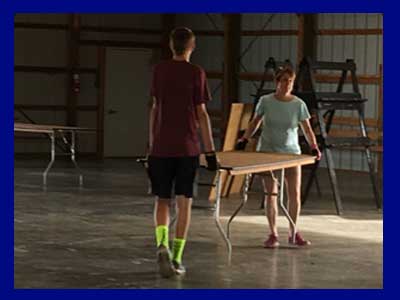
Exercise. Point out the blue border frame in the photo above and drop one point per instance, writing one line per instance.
(8, 8)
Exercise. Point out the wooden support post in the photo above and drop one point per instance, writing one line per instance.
(232, 28)
(101, 69)
(310, 36)
(300, 38)
(168, 24)
(380, 106)
(73, 66)
(306, 37)
(380, 124)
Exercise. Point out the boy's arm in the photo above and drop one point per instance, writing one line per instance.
(151, 122)
(205, 128)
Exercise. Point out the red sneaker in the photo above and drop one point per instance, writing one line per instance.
(299, 241)
(271, 242)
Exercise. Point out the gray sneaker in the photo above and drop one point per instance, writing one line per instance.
(165, 267)
(179, 268)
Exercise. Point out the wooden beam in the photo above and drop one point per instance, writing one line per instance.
(29, 25)
(276, 32)
(149, 31)
(121, 30)
(369, 31)
(101, 66)
(362, 79)
(232, 28)
(89, 28)
(321, 78)
(168, 24)
(252, 76)
(123, 44)
(51, 70)
(351, 121)
(271, 32)
(35, 107)
(73, 66)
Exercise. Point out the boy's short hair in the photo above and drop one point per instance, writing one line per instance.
(180, 37)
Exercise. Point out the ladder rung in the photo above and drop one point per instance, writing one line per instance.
(340, 105)
(338, 96)
(349, 141)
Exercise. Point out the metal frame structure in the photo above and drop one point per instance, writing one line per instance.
(324, 105)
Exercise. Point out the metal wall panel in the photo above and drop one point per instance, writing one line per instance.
(366, 50)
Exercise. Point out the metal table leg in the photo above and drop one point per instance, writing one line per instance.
(72, 149)
(244, 200)
(282, 205)
(53, 157)
(217, 215)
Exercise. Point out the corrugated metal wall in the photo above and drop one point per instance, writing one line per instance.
(279, 47)
(366, 50)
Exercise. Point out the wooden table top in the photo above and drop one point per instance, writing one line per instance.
(241, 162)
(47, 128)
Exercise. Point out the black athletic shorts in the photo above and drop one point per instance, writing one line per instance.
(168, 172)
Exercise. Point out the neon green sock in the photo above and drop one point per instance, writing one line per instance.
(162, 236)
(178, 246)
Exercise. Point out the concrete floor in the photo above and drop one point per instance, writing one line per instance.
(102, 235)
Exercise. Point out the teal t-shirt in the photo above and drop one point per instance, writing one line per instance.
(280, 124)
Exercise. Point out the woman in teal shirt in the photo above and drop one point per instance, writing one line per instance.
(281, 114)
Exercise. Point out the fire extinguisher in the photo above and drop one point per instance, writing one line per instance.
(76, 83)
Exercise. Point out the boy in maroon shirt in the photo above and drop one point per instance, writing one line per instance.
(180, 91)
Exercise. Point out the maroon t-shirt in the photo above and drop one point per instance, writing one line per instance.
(178, 87)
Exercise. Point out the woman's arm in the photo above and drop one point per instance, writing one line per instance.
(253, 126)
(310, 137)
